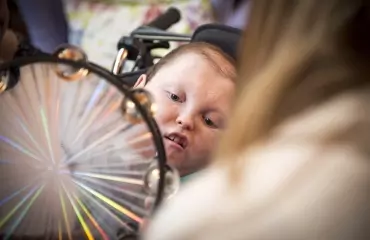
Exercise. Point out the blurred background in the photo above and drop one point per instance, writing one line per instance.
(97, 25)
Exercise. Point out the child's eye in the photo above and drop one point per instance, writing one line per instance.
(208, 121)
(174, 97)
(213, 120)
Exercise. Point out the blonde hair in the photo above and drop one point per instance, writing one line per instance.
(296, 54)
(213, 54)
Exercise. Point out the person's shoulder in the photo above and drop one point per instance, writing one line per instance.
(332, 137)
(335, 120)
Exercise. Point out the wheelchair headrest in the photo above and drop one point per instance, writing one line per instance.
(225, 37)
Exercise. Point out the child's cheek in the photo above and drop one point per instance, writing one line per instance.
(166, 113)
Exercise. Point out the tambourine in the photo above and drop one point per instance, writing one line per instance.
(81, 156)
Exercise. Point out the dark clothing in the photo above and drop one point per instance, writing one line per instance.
(4, 17)
(8, 39)
(46, 23)
(39, 22)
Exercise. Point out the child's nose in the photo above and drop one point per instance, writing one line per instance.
(185, 122)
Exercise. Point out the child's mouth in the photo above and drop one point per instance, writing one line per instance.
(178, 139)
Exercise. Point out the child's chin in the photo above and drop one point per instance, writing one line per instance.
(176, 162)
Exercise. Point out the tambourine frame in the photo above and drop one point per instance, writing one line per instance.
(125, 90)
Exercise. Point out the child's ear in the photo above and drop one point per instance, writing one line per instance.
(141, 82)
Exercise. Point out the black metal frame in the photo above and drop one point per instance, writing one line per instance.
(114, 80)
(139, 44)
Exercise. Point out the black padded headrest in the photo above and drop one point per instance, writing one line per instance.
(225, 37)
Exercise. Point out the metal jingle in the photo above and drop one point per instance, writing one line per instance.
(119, 62)
(151, 179)
(172, 181)
(70, 53)
(4, 80)
(9, 79)
(145, 99)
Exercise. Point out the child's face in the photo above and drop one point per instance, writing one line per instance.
(193, 101)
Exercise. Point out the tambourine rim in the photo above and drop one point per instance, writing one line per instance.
(114, 80)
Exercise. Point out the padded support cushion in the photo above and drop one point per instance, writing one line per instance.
(225, 37)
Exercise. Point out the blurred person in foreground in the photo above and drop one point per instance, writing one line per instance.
(295, 162)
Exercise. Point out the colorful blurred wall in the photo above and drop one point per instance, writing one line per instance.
(97, 26)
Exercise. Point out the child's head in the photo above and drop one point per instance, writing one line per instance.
(193, 87)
